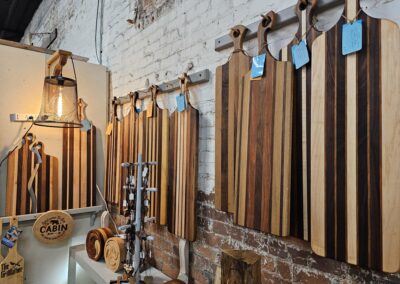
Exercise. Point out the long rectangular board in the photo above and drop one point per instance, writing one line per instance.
(300, 213)
(264, 145)
(355, 145)
(182, 185)
(227, 92)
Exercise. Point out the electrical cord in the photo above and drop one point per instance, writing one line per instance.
(95, 31)
(16, 146)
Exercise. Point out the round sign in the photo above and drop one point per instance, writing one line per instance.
(53, 227)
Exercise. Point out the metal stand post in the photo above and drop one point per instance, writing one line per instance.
(138, 218)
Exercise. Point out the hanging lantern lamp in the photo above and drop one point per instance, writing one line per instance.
(60, 95)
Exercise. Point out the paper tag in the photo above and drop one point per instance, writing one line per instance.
(109, 128)
(86, 125)
(181, 102)
(300, 56)
(257, 66)
(149, 109)
(352, 37)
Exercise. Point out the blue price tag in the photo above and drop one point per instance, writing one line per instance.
(257, 66)
(352, 37)
(181, 102)
(86, 125)
(300, 56)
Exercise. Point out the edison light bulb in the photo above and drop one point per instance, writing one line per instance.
(59, 102)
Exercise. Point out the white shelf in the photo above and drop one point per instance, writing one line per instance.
(98, 271)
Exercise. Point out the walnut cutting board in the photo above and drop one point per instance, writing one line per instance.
(183, 157)
(227, 94)
(264, 144)
(300, 212)
(355, 146)
(20, 167)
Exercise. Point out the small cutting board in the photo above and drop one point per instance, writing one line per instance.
(300, 212)
(21, 164)
(12, 267)
(264, 144)
(227, 92)
(355, 145)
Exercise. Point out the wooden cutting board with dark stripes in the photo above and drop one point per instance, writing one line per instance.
(155, 133)
(182, 186)
(21, 164)
(355, 145)
(264, 144)
(227, 93)
(122, 146)
(300, 212)
(78, 187)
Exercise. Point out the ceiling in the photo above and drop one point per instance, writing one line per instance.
(15, 15)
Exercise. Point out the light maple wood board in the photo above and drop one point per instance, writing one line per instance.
(355, 145)
(300, 212)
(264, 144)
(12, 267)
(20, 167)
(227, 94)
(183, 157)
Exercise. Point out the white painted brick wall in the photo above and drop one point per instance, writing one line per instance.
(162, 50)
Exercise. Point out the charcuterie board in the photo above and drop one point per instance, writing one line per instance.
(227, 92)
(355, 145)
(264, 143)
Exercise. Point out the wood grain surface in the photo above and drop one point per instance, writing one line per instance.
(300, 212)
(122, 144)
(182, 186)
(20, 167)
(227, 94)
(154, 148)
(79, 166)
(12, 267)
(264, 144)
(355, 139)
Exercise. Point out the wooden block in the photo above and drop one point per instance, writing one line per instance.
(240, 266)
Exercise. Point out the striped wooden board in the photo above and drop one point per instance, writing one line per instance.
(355, 146)
(122, 146)
(264, 144)
(183, 157)
(300, 212)
(154, 148)
(227, 93)
(78, 187)
(21, 164)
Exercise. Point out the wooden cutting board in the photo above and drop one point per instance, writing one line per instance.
(1, 235)
(122, 146)
(227, 92)
(355, 146)
(264, 144)
(20, 167)
(183, 157)
(12, 267)
(154, 123)
(79, 165)
(300, 212)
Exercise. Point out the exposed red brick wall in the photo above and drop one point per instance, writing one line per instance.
(284, 260)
